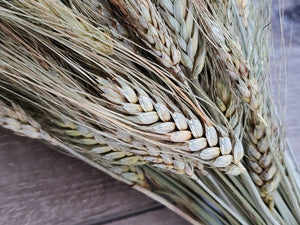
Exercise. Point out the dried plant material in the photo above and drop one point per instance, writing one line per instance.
(180, 17)
(197, 132)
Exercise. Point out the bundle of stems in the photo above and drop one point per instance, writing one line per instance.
(171, 97)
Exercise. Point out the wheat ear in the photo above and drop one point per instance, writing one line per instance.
(226, 51)
(265, 138)
(263, 169)
(126, 170)
(180, 17)
(16, 119)
(103, 13)
(76, 29)
(157, 114)
(156, 29)
(101, 149)
(146, 21)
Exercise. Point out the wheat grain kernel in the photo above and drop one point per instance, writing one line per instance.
(167, 158)
(101, 150)
(257, 180)
(180, 136)
(252, 138)
(180, 121)
(179, 165)
(266, 161)
(211, 135)
(129, 94)
(238, 152)
(146, 103)
(235, 170)
(268, 174)
(163, 128)
(255, 166)
(263, 145)
(223, 161)
(162, 112)
(225, 145)
(220, 104)
(153, 159)
(130, 176)
(84, 131)
(254, 152)
(209, 153)
(230, 109)
(196, 128)
(114, 155)
(145, 118)
(129, 160)
(130, 108)
(258, 132)
(197, 144)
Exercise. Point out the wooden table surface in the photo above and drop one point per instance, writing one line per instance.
(42, 186)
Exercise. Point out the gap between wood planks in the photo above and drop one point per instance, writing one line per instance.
(125, 215)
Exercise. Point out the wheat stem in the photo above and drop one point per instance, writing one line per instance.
(166, 203)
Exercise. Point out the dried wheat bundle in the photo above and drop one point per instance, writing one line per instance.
(162, 95)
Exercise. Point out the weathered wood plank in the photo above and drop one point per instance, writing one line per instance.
(157, 217)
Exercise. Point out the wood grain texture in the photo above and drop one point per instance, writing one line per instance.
(155, 217)
(42, 186)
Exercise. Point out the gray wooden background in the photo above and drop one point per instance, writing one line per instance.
(42, 186)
